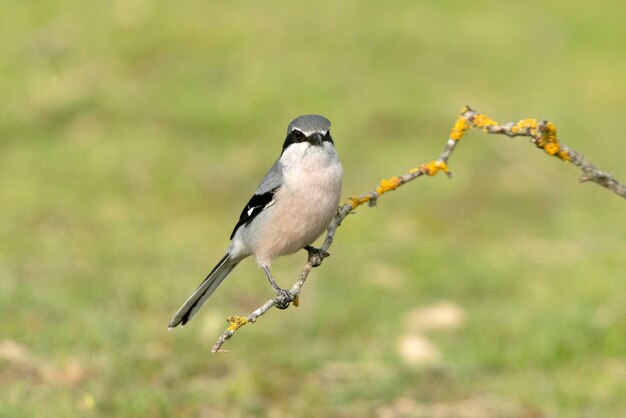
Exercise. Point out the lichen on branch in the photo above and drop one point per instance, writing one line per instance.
(544, 135)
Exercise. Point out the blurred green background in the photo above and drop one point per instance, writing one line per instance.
(132, 132)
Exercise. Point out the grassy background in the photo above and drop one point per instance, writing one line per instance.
(132, 131)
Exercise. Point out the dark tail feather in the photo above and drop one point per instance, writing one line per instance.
(202, 293)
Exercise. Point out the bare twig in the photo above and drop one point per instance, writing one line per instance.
(542, 134)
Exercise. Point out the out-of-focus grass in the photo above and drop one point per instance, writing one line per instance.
(131, 132)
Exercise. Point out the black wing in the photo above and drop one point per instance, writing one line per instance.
(256, 205)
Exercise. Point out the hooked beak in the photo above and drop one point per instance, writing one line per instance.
(316, 139)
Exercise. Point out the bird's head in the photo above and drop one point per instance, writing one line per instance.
(310, 129)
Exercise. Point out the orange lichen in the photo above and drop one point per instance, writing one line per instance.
(388, 184)
(527, 125)
(356, 201)
(483, 122)
(236, 322)
(548, 141)
(551, 148)
(460, 127)
(548, 133)
(434, 167)
(563, 155)
(550, 128)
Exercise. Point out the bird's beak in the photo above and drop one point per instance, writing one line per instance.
(316, 139)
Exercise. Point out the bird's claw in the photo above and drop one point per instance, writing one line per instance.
(316, 255)
(283, 298)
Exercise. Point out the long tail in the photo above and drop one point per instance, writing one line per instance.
(202, 293)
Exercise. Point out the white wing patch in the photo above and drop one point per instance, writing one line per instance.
(255, 208)
(270, 204)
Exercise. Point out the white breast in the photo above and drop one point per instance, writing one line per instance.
(304, 205)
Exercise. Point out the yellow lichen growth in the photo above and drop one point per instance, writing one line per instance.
(388, 184)
(550, 128)
(548, 141)
(527, 125)
(563, 155)
(356, 201)
(236, 322)
(460, 127)
(434, 167)
(296, 301)
(483, 122)
(551, 148)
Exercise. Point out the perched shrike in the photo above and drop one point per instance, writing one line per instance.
(291, 208)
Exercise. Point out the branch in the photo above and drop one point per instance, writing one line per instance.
(542, 134)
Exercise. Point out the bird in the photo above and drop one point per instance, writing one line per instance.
(292, 206)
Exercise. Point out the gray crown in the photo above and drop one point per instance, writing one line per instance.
(308, 124)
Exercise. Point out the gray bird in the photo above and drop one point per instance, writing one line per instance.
(295, 202)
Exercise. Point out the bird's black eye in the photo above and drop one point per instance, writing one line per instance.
(294, 137)
(298, 136)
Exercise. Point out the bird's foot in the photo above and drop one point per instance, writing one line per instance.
(316, 255)
(283, 298)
